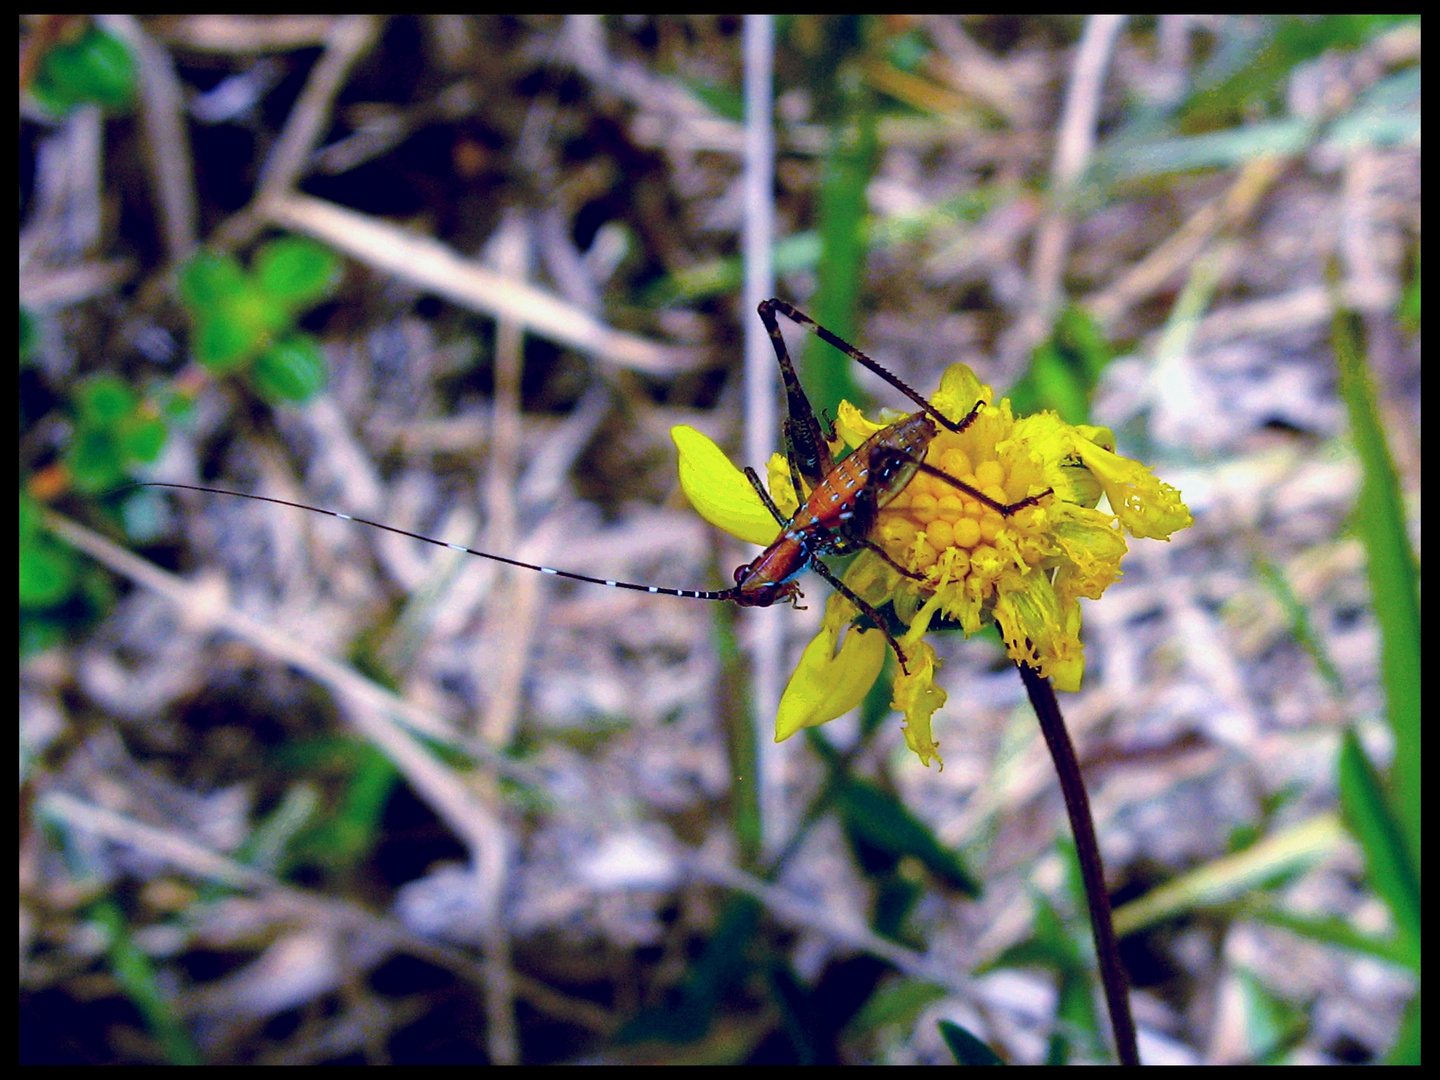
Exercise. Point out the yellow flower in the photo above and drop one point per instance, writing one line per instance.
(1025, 571)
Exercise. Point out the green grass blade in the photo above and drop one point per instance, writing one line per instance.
(1394, 577)
(1367, 812)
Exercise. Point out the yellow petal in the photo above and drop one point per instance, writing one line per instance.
(852, 426)
(1092, 547)
(1145, 505)
(826, 685)
(782, 488)
(1041, 630)
(918, 697)
(1053, 441)
(959, 391)
(1102, 437)
(1086, 488)
(719, 491)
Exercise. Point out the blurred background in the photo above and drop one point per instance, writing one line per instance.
(298, 790)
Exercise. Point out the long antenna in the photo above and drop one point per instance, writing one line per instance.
(690, 594)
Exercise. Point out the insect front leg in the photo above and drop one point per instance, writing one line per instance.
(891, 459)
(765, 498)
(1003, 509)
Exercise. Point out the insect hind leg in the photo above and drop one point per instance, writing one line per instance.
(768, 308)
(807, 443)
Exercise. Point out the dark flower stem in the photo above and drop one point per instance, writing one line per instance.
(1077, 804)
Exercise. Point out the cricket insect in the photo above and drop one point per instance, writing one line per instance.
(837, 515)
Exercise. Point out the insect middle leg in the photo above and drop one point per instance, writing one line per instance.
(865, 607)
(848, 546)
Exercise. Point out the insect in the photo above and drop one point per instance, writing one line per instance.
(841, 498)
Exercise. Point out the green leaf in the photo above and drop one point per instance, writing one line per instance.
(1387, 114)
(1272, 1025)
(1409, 302)
(1298, 618)
(29, 333)
(1064, 948)
(1048, 946)
(293, 370)
(135, 973)
(1367, 812)
(847, 103)
(1327, 930)
(343, 838)
(795, 1004)
(826, 371)
(909, 50)
(1279, 856)
(1065, 370)
(209, 283)
(269, 842)
(1295, 40)
(106, 70)
(1214, 150)
(96, 67)
(882, 820)
(38, 634)
(104, 401)
(47, 575)
(29, 518)
(723, 101)
(95, 459)
(54, 87)
(142, 438)
(725, 962)
(1084, 344)
(1406, 1050)
(295, 272)
(1051, 383)
(898, 1002)
(97, 588)
(968, 1050)
(1077, 1024)
(223, 344)
(176, 407)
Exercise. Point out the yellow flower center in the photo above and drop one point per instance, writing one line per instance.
(937, 529)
